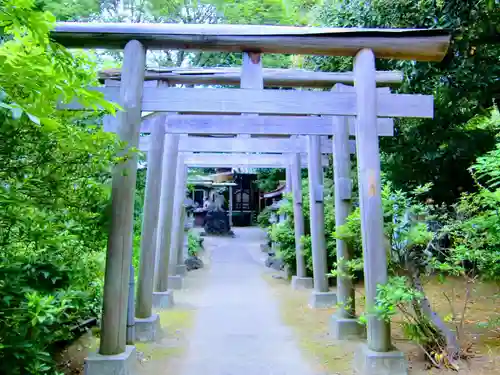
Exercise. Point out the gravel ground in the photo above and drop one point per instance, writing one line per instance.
(237, 328)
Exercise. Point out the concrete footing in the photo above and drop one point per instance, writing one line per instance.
(346, 329)
(163, 300)
(321, 300)
(147, 329)
(175, 282)
(181, 270)
(118, 364)
(302, 282)
(369, 362)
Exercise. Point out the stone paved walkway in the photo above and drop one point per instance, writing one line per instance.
(238, 330)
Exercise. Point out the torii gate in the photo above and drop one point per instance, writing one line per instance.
(252, 76)
(321, 297)
(243, 155)
(429, 45)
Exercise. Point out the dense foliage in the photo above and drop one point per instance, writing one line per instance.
(438, 150)
(54, 170)
(269, 179)
(283, 232)
(425, 240)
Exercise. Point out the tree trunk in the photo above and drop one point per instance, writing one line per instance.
(450, 337)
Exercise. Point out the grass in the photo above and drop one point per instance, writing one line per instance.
(311, 329)
(330, 357)
(161, 356)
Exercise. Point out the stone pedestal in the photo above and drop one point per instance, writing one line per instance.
(147, 329)
(346, 329)
(369, 362)
(322, 300)
(118, 364)
(302, 282)
(163, 300)
(175, 282)
(181, 270)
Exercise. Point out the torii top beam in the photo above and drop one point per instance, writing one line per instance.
(271, 77)
(404, 44)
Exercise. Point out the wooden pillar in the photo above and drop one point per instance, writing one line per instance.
(149, 231)
(343, 206)
(251, 77)
(288, 181)
(178, 223)
(375, 257)
(317, 215)
(241, 197)
(180, 245)
(230, 206)
(298, 215)
(251, 71)
(119, 249)
(130, 336)
(166, 206)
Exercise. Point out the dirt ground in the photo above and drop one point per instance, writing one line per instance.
(311, 327)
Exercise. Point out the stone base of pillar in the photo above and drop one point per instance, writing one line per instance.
(181, 270)
(147, 329)
(369, 362)
(172, 269)
(163, 300)
(346, 329)
(175, 282)
(302, 282)
(322, 300)
(123, 363)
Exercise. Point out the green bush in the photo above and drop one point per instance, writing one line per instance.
(54, 200)
(195, 243)
(263, 217)
(283, 233)
(471, 228)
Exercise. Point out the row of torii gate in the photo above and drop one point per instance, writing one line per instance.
(270, 129)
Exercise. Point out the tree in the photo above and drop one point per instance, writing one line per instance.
(464, 84)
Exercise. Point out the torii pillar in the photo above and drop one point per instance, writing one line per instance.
(344, 324)
(177, 267)
(378, 356)
(300, 280)
(163, 295)
(114, 355)
(321, 296)
(147, 323)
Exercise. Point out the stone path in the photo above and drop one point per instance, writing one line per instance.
(238, 330)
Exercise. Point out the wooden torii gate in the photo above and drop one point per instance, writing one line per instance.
(365, 45)
(321, 297)
(252, 76)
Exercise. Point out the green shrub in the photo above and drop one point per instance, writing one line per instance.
(263, 217)
(195, 243)
(283, 233)
(53, 199)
